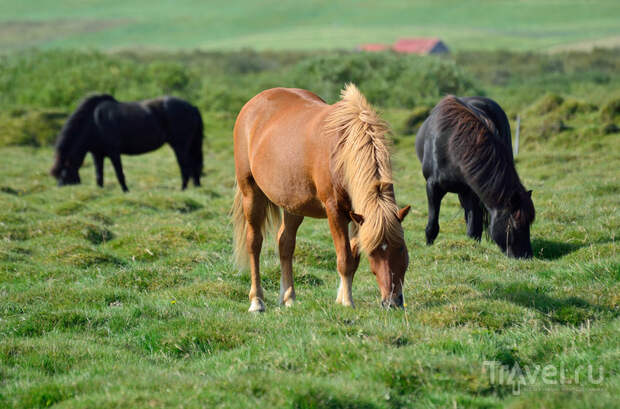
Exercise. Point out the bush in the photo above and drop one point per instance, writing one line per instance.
(60, 79)
(611, 110)
(572, 107)
(387, 79)
(30, 127)
(548, 103)
(416, 118)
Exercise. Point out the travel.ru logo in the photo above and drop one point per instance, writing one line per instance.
(537, 376)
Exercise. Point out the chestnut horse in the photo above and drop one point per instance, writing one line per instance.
(294, 151)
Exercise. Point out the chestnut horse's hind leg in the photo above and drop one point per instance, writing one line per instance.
(286, 246)
(434, 194)
(254, 209)
(347, 262)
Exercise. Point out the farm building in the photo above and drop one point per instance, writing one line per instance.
(373, 47)
(419, 45)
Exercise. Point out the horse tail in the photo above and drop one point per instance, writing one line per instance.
(269, 223)
(197, 143)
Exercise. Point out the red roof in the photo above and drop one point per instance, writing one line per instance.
(373, 47)
(415, 45)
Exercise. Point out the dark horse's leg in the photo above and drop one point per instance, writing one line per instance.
(184, 163)
(196, 175)
(473, 214)
(118, 169)
(98, 159)
(434, 194)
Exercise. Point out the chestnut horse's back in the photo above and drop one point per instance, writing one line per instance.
(273, 134)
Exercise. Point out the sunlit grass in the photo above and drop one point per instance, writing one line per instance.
(130, 300)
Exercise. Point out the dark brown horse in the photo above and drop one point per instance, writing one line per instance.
(295, 152)
(104, 127)
(465, 148)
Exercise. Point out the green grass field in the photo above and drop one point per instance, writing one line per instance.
(112, 300)
(318, 24)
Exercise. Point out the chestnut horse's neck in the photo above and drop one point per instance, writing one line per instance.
(360, 164)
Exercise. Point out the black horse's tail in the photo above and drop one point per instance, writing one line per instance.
(197, 143)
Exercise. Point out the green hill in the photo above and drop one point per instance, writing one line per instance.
(477, 24)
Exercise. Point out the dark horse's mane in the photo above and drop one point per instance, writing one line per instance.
(484, 160)
(72, 127)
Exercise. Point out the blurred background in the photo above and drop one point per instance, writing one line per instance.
(403, 55)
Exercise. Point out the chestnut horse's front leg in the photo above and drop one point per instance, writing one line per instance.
(347, 261)
(286, 246)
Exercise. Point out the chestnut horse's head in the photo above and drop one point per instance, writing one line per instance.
(389, 262)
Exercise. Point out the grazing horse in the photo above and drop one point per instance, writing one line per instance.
(104, 127)
(465, 148)
(295, 152)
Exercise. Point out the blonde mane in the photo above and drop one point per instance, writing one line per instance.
(362, 159)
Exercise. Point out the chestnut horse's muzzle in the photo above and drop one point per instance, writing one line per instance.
(395, 302)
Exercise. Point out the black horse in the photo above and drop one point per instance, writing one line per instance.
(465, 147)
(104, 127)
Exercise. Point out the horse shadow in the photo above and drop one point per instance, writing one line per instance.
(553, 250)
(570, 310)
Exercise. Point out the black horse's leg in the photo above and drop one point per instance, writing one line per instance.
(118, 169)
(98, 159)
(196, 175)
(184, 161)
(434, 194)
(473, 214)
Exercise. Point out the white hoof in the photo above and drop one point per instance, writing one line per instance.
(287, 297)
(345, 303)
(257, 305)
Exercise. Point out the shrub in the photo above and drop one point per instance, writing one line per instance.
(572, 107)
(387, 79)
(548, 103)
(416, 118)
(611, 110)
(30, 127)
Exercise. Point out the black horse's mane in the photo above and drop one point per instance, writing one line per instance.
(71, 128)
(484, 160)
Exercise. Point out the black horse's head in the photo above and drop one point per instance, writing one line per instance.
(74, 140)
(509, 227)
(66, 168)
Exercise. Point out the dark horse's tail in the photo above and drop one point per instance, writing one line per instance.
(197, 144)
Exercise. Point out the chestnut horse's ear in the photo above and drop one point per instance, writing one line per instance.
(357, 218)
(402, 213)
